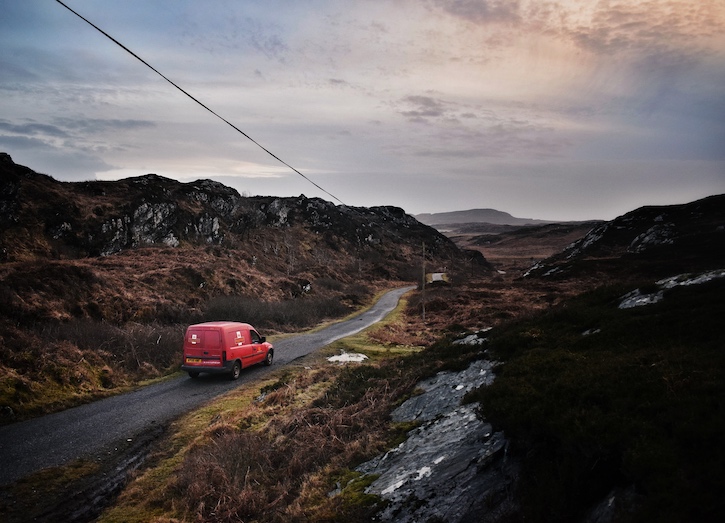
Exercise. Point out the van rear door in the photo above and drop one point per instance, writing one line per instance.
(203, 347)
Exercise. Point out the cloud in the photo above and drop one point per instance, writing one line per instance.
(234, 32)
(482, 11)
(60, 162)
(265, 39)
(20, 143)
(424, 107)
(99, 125)
(32, 129)
(508, 139)
(646, 28)
(466, 131)
(82, 135)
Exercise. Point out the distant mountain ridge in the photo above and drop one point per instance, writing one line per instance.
(476, 216)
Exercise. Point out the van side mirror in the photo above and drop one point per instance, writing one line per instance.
(262, 339)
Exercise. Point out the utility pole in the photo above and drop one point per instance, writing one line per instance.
(422, 288)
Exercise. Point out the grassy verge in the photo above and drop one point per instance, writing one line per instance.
(289, 388)
(50, 366)
(274, 450)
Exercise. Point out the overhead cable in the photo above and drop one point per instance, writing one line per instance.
(196, 100)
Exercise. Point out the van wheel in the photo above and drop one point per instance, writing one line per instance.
(193, 374)
(236, 370)
(269, 358)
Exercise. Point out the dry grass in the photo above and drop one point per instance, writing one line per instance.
(270, 459)
(516, 250)
(274, 456)
(241, 474)
(75, 330)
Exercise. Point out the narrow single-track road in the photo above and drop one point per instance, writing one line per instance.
(98, 430)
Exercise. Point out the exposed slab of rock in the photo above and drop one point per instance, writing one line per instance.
(444, 392)
(439, 471)
(450, 468)
(637, 298)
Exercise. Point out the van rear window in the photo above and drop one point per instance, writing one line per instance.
(209, 339)
(213, 340)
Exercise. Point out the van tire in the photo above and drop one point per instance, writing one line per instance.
(269, 358)
(193, 374)
(236, 370)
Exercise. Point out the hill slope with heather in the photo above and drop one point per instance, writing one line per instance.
(608, 378)
(654, 241)
(142, 247)
(611, 412)
(91, 272)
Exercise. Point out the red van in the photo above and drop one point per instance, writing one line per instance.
(224, 347)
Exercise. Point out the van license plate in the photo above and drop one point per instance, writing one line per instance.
(193, 360)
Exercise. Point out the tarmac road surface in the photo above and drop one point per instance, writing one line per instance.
(97, 430)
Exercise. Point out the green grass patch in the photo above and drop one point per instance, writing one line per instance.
(353, 504)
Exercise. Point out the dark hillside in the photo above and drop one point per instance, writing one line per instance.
(516, 248)
(45, 218)
(69, 248)
(613, 399)
(657, 241)
(616, 414)
(93, 271)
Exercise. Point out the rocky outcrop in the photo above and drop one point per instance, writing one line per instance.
(46, 218)
(639, 298)
(663, 239)
(453, 467)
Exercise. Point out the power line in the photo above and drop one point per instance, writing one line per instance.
(255, 142)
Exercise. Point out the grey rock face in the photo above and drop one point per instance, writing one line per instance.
(449, 469)
(444, 392)
(437, 471)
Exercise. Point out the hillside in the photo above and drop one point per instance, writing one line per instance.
(135, 260)
(156, 244)
(515, 248)
(653, 242)
(610, 413)
(488, 216)
(507, 242)
(609, 375)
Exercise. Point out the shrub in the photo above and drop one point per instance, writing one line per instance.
(329, 284)
(291, 314)
(262, 476)
(641, 402)
(142, 350)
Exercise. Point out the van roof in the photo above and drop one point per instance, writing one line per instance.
(223, 324)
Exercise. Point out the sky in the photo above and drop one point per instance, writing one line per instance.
(548, 109)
